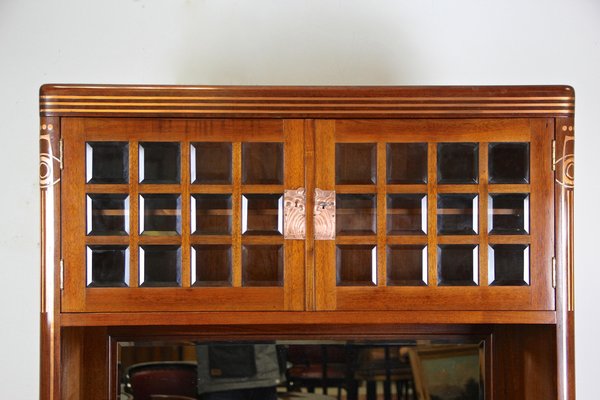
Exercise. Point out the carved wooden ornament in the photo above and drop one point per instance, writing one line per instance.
(294, 212)
(324, 214)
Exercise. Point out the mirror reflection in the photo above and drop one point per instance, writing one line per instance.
(302, 369)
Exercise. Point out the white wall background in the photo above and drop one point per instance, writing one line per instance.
(300, 42)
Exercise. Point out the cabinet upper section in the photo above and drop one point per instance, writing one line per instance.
(307, 102)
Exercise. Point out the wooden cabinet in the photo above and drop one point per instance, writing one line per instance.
(171, 208)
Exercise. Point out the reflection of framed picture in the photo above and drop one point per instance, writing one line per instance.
(448, 372)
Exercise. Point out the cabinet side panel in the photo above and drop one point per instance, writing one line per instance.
(565, 306)
(50, 174)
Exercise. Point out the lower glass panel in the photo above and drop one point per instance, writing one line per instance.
(107, 266)
(457, 265)
(262, 265)
(302, 369)
(160, 266)
(356, 265)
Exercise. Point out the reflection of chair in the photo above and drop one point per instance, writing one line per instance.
(147, 380)
(383, 364)
(325, 366)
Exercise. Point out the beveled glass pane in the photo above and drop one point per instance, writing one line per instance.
(107, 266)
(508, 213)
(458, 265)
(457, 214)
(159, 162)
(262, 163)
(211, 214)
(355, 163)
(356, 265)
(458, 162)
(211, 265)
(508, 265)
(160, 214)
(407, 265)
(107, 214)
(262, 265)
(160, 266)
(406, 214)
(406, 163)
(356, 214)
(107, 162)
(210, 163)
(262, 214)
(508, 162)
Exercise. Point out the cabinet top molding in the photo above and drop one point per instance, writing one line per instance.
(306, 101)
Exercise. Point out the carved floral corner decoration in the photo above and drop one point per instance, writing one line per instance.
(48, 161)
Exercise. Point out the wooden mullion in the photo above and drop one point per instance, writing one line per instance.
(236, 225)
(134, 211)
(185, 214)
(431, 214)
(381, 214)
(483, 214)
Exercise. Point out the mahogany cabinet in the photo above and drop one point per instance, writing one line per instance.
(307, 212)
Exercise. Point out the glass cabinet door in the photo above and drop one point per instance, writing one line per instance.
(180, 215)
(433, 215)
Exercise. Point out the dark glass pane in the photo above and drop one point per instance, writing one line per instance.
(107, 162)
(407, 265)
(211, 214)
(107, 266)
(159, 162)
(457, 265)
(355, 163)
(356, 214)
(509, 162)
(356, 265)
(211, 265)
(458, 162)
(508, 265)
(262, 163)
(210, 163)
(262, 265)
(457, 214)
(107, 214)
(160, 214)
(508, 213)
(406, 163)
(406, 214)
(262, 214)
(160, 266)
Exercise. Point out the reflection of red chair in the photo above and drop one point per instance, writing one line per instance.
(325, 366)
(147, 380)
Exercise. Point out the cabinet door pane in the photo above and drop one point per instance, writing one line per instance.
(262, 163)
(262, 214)
(160, 214)
(355, 163)
(406, 163)
(457, 214)
(160, 266)
(406, 214)
(107, 266)
(211, 163)
(407, 265)
(211, 265)
(458, 163)
(508, 265)
(211, 214)
(107, 214)
(107, 162)
(509, 162)
(458, 265)
(356, 214)
(262, 265)
(356, 265)
(508, 213)
(159, 162)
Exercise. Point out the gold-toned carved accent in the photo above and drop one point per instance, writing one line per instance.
(294, 212)
(324, 214)
(566, 172)
(48, 161)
